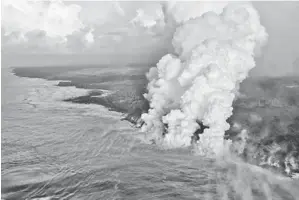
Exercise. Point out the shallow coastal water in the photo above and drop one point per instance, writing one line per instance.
(58, 150)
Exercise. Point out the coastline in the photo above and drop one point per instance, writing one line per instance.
(267, 108)
(121, 92)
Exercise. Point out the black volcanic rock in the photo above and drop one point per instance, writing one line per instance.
(89, 99)
(272, 136)
(65, 84)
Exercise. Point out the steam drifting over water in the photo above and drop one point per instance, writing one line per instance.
(215, 45)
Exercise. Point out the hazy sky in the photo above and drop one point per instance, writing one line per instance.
(120, 32)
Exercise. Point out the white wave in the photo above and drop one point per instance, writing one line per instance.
(44, 94)
(292, 86)
(244, 178)
(42, 198)
(104, 94)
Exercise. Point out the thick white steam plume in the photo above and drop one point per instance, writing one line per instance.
(215, 45)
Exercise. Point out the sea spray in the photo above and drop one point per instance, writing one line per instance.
(214, 47)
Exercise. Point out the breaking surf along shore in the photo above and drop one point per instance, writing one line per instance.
(117, 88)
(264, 125)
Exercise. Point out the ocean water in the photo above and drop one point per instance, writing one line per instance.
(58, 150)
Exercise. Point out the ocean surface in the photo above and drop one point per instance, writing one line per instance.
(53, 149)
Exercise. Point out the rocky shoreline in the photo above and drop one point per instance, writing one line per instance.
(264, 125)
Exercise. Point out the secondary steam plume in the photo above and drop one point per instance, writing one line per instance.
(215, 45)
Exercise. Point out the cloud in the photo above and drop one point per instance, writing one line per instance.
(118, 8)
(214, 51)
(54, 18)
(89, 37)
(67, 27)
(34, 41)
(38, 26)
(280, 55)
(147, 20)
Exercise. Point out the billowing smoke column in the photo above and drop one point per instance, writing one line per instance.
(215, 45)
